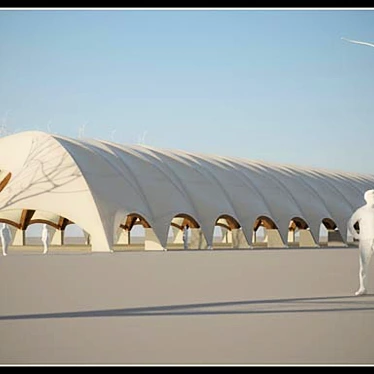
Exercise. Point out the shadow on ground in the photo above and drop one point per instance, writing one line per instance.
(290, 305)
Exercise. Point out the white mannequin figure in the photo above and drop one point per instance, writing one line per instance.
(185, 236)
(364, 216)
(6, 237)
(45, 238)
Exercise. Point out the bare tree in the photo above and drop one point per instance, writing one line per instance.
(41, 175)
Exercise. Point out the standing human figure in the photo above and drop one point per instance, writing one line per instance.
(6, 238)
(185, 236)
(364, 217)
(45, 238)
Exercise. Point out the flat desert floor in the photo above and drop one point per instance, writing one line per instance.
(201, 307)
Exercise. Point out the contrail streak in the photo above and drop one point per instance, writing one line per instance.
(358, 42)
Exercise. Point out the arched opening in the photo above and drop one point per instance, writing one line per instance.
(266, 233)
(56, 226)
(229, 233)
(75, 235)
(185, 233)
(132, 232)
(330, 235)
(26, 226)
(61, 234)
(299, 234)
(181, 220)
(33, 233)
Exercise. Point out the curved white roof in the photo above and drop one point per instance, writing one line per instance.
(96, 184)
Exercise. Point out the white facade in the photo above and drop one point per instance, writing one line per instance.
(97, 184)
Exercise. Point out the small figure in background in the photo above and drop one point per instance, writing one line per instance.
(6, 237)
(45, 238)
(185, 236)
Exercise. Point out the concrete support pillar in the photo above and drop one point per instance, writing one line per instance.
(19, 236)
(151, 242)
(238, 239)
(87, 238)
(99, 244)
(57, 237)
(178, 236)
(197, 240)
(306, 239)
(334, 238)
(226, 236)
(265, 236)
(291, 236)
(123, 236)
(349, 237)
(274, 239)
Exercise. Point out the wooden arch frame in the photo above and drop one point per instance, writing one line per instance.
(232, 223)
(134, 219)
(187, 220)
(298, 223)
(266, 222)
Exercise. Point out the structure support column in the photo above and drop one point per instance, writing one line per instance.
(197, 239)
(226, 236)
(238, 239)
(57, 237)
(87, 238)
(306, 239)
(19, 236)
(291, 236)
(274, 239)
(123, 236)
(334, 238)
(151, 242)
(178, 236)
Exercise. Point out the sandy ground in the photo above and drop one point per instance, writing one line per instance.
(220, 307)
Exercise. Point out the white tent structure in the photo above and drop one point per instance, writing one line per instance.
(106, 188)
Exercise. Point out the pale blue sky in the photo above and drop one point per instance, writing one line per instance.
(276, 85)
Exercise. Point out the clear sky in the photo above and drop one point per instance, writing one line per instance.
(276, 85)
